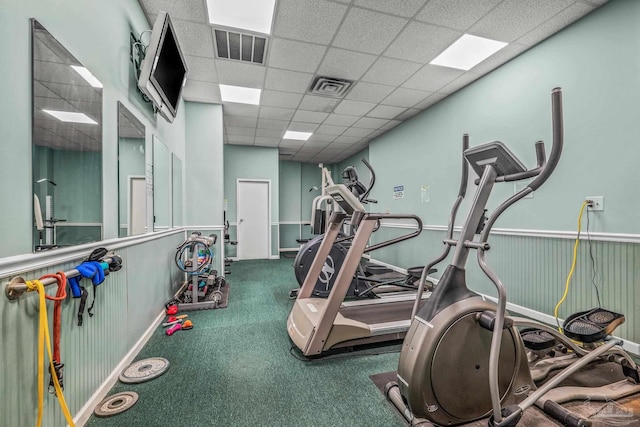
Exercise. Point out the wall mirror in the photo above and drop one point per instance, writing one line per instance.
(132, 185)
(161, 185)
(67, 146)
(176, 184)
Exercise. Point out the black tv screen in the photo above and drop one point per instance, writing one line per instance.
(169, 70)
(163, 69)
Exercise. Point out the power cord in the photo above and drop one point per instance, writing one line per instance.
(593, 264)
(573, 265)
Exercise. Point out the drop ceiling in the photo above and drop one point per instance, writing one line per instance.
(383, 46)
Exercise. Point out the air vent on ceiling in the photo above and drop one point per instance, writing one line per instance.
(329, 86)
(240, 47)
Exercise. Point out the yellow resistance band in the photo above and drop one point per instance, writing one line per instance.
(43, 334)
(573, 266)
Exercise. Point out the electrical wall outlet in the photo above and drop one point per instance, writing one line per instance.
(597, 203)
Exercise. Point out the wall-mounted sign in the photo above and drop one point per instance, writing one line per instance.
(425, 193)
(398, 192)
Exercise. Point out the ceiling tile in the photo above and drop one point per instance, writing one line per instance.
(287, 81)
(243, 110)
(370, 123)
(385, 111)
(408, 114)
(513, 19)
(272, 124)
(291, 143)
(293, 55)
(177, 9)
(499, 58)
(234, 130)
(420, 42)
(390, 71)
(369, 92)
(403, 97)
(359, 132)
(237, 73)
(310, 116)
(240, 121)
(195, 90)
(459, 83)
(430, 78)
(391, 124)
(331, 129)
(555, 24)
(376, 133)
(194, 39)
(318, 137)
(200, 68)
(276, 113)
(458, 14)
(316, 144)
(240, 139)
(436, 97)
(354, 108)
(345, 64)
(239, 142)
(302, 127)
(308, 20)
(276, 98)
(346, 140)
(340, 120)
(318, 103)
(266, 141)
(406, 8)
(269, 133)
(366, 31)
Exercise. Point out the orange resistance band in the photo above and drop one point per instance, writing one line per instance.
(61, 294)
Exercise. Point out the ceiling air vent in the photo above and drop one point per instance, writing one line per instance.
(240, 47)
(329, 86)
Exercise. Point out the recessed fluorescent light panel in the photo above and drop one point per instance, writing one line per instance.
(65, 116)
(300, 136)
(86, 74)
(252, 15)
(242, 95)
(467, 52)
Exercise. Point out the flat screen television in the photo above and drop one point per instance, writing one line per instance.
(163, 71)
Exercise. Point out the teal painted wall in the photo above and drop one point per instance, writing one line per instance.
(204, 165)
(251, 163)
(290, 190)
(595, 61)
(108, 60)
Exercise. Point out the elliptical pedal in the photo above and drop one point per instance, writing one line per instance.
(537, 339)
(592, 325)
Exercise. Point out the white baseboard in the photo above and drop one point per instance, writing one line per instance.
(391, 266)
(87, 410)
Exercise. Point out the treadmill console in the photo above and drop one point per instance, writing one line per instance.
(345, 198)
(495, 154)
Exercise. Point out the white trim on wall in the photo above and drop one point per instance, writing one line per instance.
(15, 265)
(553, 234)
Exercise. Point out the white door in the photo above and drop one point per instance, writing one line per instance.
(137, 205)
(254, 228)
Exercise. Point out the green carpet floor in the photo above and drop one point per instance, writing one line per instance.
(234, 368)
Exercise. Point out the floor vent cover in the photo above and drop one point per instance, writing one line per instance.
(240, 47)
(329, 86)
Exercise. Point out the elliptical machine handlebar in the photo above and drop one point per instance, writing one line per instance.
(558, 140)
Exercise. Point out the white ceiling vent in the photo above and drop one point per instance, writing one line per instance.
(240, 47)
(329, 86)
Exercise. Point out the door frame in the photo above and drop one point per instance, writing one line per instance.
(268, 182)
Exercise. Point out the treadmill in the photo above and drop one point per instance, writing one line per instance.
(317, 325)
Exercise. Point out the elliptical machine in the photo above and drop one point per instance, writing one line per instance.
(463, 358)
(307, 252)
